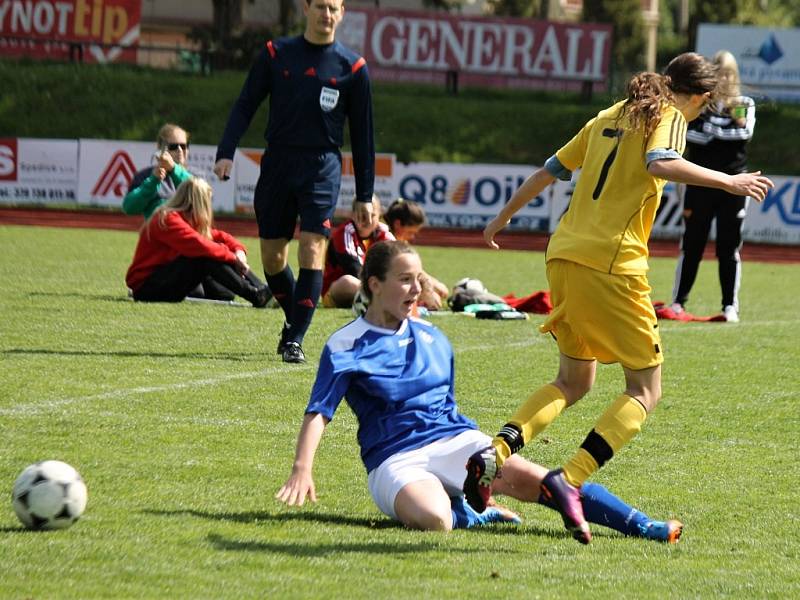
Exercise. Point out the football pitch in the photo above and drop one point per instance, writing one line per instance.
(182, 420)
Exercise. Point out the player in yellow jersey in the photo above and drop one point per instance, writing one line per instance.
(596, 268)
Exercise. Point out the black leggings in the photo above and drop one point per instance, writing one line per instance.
(701, 206)
(174, 281)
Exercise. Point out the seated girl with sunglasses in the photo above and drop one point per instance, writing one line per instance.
(153, 186)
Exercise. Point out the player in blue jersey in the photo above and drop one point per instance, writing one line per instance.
(396, 374)
(314, 85)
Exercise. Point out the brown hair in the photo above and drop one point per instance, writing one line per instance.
(407, 212)
(378, 261)
(166, 131)
(688, 74)
(193, 200)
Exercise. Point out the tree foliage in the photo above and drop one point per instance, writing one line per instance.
(627, 51)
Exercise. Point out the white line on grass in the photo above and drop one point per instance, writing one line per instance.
(47, 405)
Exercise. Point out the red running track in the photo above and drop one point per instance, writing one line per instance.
(429, 236)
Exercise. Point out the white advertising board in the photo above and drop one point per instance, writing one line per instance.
(38, 171)
(107, 167)
(768, 58)
(469, 196)
(98, 172)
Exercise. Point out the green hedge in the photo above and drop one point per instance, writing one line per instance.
(415, 122)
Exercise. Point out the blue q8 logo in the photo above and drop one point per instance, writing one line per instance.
(486, 191)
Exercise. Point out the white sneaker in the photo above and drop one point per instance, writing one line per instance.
(676, 308)
(731, 314)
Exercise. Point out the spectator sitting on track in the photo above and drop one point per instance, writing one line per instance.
(151, 187)
(405, 218)
(345, 254)
(178, 249)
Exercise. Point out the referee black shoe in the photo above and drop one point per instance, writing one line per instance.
(293, 353)
(282, 340)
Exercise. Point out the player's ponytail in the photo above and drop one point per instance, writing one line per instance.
(686, 74)
(646, 93)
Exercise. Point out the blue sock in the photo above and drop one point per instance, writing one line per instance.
(465, 517)
(604, 508)
(282, 287)
(306, 295)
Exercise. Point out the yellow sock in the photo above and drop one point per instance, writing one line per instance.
(538, 411)
(615, 428)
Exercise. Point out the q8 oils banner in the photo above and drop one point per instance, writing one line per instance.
(100, 31)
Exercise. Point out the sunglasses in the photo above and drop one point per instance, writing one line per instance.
(174, 147)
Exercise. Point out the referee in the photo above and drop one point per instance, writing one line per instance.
(314, 84)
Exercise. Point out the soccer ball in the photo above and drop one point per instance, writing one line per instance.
(49, 495)
(468, 283)
(360, 303)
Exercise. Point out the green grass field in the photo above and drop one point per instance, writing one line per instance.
(182, 420)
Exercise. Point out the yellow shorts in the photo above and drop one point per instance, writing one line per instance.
(598, 316)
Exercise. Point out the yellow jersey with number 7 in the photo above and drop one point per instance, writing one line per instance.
(613, 206)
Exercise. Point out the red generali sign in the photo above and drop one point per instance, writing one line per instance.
(106, 30)
(424, 46)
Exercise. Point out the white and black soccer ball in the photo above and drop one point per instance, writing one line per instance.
(49, 495)
(468, 283)
(360, 303)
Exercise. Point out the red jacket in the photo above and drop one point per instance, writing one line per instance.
(346, 251)
(161, 245)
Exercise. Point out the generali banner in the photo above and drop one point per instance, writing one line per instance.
(108, 29)
(485, 51)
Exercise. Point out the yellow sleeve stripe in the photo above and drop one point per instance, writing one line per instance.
(677, 133)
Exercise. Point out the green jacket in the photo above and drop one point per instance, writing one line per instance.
(146, 193)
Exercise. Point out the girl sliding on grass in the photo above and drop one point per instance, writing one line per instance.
(396, 373)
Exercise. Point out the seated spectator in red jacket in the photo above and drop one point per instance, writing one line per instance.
(178, 248)
(405, 218)
(344, 258)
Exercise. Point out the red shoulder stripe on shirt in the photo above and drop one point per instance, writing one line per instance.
(358, 64)
(271, 49)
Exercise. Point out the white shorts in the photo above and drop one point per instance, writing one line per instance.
(443, 459)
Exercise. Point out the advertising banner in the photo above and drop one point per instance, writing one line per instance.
(768, 58)
(55, 28)
(107, 167)
(462, 196)
(469, 196)
(38, 171)
(247, 164)
(777, 219)
(483, 51)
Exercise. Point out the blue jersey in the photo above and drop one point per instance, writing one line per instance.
(312, 90)
(398, 383)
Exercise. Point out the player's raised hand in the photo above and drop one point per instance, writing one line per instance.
(753, 184)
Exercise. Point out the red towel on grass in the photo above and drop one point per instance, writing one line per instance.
(538, 302)
(665, 312)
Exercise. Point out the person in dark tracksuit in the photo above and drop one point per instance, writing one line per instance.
(717, 139)
(314, 85)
